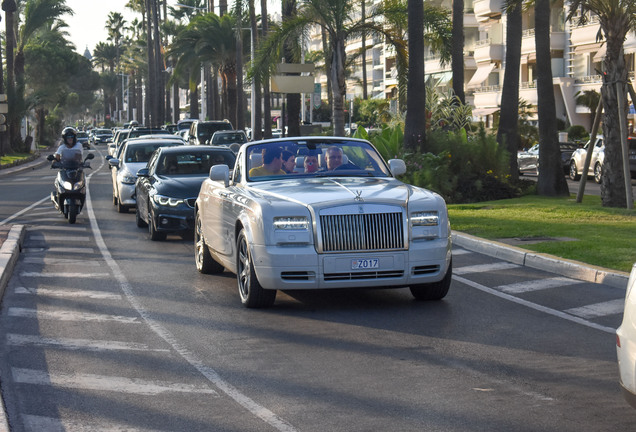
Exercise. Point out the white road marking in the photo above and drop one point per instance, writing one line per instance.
(62, 261)
(210, 374)
(599, 309)
(482, 268)
(78, 344)
(105, 383)
(51, 219)
(65, 275)
(65, 238)
(536, 285)
(70, 316)
(56, 228)
(39, 423)
(77, 250)
(461, 252)
(48, 292)
(534, 306)
(24, 210)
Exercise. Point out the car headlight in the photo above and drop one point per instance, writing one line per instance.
(128, 178)
(425, 218)
(167, 201)
(291, 223)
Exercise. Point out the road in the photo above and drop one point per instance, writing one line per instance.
(103, 329)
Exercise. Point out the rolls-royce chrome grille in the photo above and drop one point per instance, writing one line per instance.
(362, 232)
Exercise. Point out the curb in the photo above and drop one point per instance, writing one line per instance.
(561, 266)
(9, 253)
(40, 159)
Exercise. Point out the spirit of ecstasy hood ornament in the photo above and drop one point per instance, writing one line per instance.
(359, 196)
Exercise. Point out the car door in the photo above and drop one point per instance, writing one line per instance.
(595, 155)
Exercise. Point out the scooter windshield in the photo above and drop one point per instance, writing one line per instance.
(70, 164)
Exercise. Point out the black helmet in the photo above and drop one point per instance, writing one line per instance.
(67, 132)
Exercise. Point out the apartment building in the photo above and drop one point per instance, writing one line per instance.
(576, 61)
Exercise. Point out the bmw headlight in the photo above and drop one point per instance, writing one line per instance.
(291, 223)
(167, 201)
(425, 218)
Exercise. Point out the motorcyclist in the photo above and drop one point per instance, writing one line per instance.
(70, 150)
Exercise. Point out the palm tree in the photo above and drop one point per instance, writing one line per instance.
(616, 18)
(115, 25)
(551, 180)
(105, 54)
(10, 7)
(458, 50)
(339, 20)
(257, 132)
(264, 78)
(508, 132)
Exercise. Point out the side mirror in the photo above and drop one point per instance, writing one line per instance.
(397, 167)
(143, 172)
(50, 158)
(90, 156)
(220, 173)
(113, 162)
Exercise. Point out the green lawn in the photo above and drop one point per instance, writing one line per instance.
(9, 159)
(604, 237)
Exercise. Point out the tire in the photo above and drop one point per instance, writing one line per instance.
(114, 199)
(121, 208)
(598, 173)
(252, 293)
(152, 230)
(72, 213)
(140, 222)
(573, 174)
(435, 290)
(202, 258)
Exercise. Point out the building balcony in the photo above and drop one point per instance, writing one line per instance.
(486, 9)
(487, 51)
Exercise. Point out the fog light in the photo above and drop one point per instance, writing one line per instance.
(164, 221)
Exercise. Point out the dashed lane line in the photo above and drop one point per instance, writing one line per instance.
(62, 261)
(597, 310)
(40, 423)
(48, 292)
(536, 285)
(78, 344)
(65, 275)
(105, 383)
(483, 268)
(70, 316)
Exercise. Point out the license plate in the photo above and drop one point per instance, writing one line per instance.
(361, 264)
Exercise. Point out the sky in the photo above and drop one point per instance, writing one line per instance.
(87, 26)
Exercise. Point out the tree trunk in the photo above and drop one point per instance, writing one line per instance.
(293, 99)
(613, 193)
(9, 6)
(257, 115)
(415, 122)
(152, 82)
(457, 59)
(363, 48)
(240, 118)
(339, 86)
(159, 114)
(267, 97)
(508, 133)
(194, 102)
(551, 180)
(326, 47)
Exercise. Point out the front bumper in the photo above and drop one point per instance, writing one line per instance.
(126, 194)
(173, 219)
(288, 267)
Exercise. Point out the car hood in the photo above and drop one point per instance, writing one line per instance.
(179, 186)
(133, 167)
(341, 190)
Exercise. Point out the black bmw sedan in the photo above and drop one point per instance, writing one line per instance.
(167, 188)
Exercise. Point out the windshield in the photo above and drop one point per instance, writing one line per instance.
(314, 158)
(197, 163)
(142, 153)
(222, 138)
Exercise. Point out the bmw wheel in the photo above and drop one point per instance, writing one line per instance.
(152, 230)
(204, 261)
(252, 293)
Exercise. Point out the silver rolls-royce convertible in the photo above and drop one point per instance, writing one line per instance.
(320, 212)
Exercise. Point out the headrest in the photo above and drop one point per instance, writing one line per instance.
(256, 160)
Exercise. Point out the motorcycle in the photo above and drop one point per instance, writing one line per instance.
(70, 186)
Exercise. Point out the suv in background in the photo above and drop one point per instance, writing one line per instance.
(201, 131)
(225, 138)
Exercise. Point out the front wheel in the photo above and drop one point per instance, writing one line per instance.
(204, 261)
(598, 173)
(573, 172)
(435, 290)
(152, 230)
(72, 212)
(252, 293)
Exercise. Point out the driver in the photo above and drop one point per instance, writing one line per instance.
(70, 150)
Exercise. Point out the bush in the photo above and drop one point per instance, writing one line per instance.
(577, 133)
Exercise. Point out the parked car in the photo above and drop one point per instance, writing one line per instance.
(201, 131)
(626, 342)
(102, 136)
(228, 137)
(577, 161)
(166, 190)
(82, 138)
(185, 124)
(133, 156)
(348, 226)
(528, 160)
